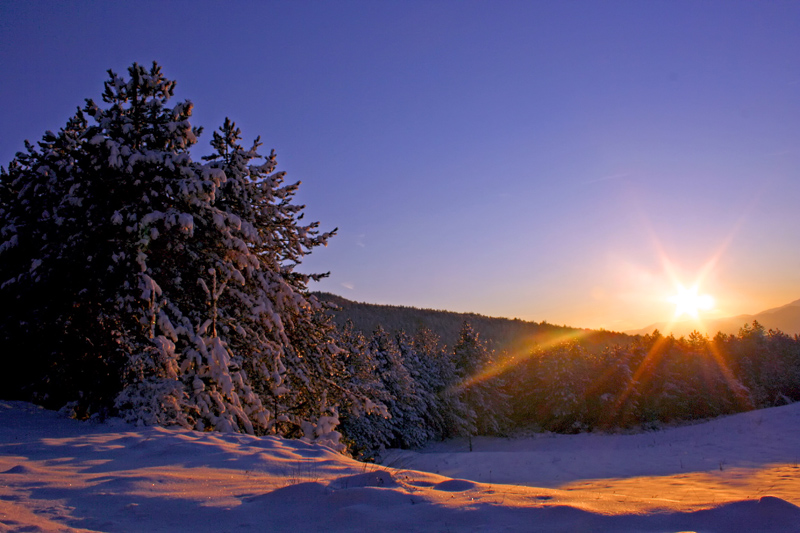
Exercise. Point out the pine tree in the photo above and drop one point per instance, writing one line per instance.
(480, 388)
(445, 413)
(404, 402)
(141, 281)
(366, 426)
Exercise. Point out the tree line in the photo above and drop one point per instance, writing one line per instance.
(434, 393)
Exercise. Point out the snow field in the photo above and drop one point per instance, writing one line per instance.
(738, 473)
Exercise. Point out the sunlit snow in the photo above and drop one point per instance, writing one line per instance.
(738, 473)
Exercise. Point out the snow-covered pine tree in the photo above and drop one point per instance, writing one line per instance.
(439, 375)
(426, 385)
(366, 426)
(480, 389)
(404, 403)
(136, 279)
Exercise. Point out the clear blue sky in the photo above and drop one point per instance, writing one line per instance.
(559, 161)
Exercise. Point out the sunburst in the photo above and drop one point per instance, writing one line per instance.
(690, 302)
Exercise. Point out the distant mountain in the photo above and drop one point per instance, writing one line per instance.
(498, 333)
(785, 318)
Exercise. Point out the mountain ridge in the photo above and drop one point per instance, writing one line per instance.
(785, 318)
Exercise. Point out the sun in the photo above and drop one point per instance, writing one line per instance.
(690, 302)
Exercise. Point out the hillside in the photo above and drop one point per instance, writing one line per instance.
(498, 333)
(785, 318)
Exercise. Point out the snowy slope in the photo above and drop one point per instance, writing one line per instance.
(734, 474)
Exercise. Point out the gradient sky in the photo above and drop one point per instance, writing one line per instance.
(559, 161)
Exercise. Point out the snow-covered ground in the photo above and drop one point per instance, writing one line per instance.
(738, 473)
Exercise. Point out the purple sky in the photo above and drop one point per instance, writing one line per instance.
(558, 161)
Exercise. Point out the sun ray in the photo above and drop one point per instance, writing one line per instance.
(734, 385)
(709, 266)
(520, 354)
(643, 372)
